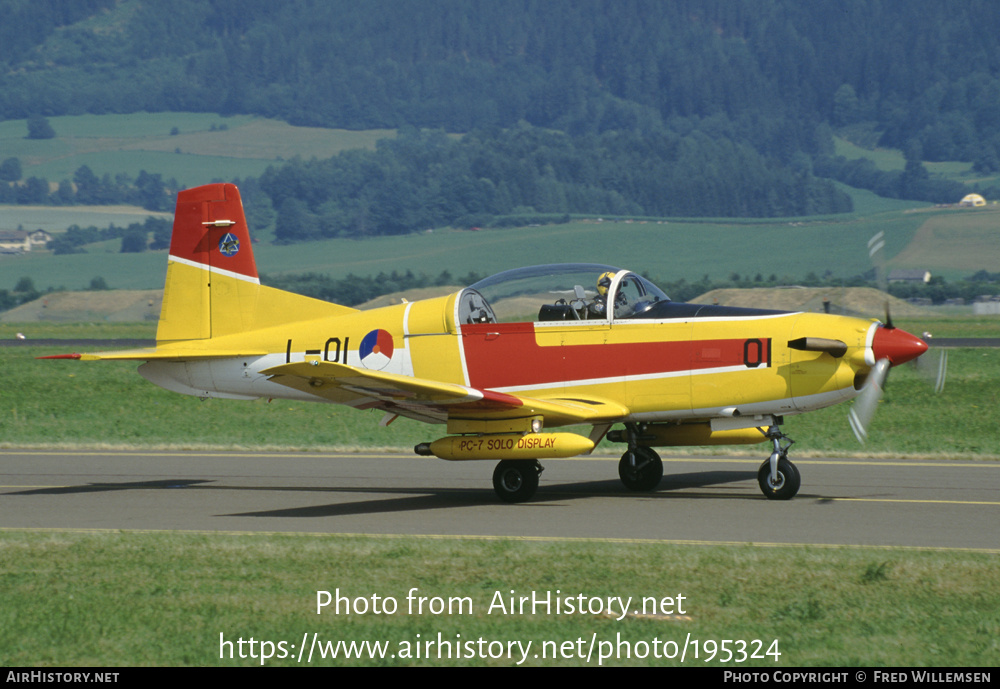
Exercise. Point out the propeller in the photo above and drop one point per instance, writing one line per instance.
(890, 347)
(863, 410)
(933, 368)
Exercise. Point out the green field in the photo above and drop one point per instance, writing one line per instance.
(954, 244)
(893, 159)
(665, 250)
(207, 146)
(950, 243)
(126, 599)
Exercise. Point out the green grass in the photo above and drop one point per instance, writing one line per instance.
(666, 251)
(126, 599)
(75, 271)
(950, 243)
(893, 159)
(884, 158)
(53, 403)
(187, 167)
(210, 146)
(952, 326)
(686, 249)
(80, 331)
(912, 420)
(954, 242)
(55, 219)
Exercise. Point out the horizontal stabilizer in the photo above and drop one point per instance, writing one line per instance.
(185, 351)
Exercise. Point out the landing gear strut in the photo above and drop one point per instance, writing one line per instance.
(640, 468)
(778, 477)
(516, 480)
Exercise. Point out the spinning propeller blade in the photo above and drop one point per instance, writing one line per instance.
(890, 347)
(933, 368)
(863, 409)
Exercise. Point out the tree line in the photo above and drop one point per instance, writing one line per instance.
(634, 107)
(152, 233)
(425, 179)
(150, 191)
(925, 71)
(693, 107)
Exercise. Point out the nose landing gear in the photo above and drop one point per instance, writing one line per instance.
(778, 478)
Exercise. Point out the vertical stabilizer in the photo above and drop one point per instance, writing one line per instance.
(212, 285)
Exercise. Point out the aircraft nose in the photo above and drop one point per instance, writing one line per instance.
(898, 346)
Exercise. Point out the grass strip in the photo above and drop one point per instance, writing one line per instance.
(133, 598)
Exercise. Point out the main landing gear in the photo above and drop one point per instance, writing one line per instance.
(516, 480)
(778, 477)
(640, 468)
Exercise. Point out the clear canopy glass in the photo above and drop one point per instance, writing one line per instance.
(561, 292)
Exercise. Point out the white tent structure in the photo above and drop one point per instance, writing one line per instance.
(972, 201)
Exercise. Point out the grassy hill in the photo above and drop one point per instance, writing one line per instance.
(960, 242)
(206, 146)
(952, 243)
(850, 301)
(121, 306)
(949, 242)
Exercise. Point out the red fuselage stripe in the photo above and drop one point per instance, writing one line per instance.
(508, 355)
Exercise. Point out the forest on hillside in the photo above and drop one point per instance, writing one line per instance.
(689, 107)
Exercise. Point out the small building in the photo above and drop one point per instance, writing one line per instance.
(972, 201)
(19, 241)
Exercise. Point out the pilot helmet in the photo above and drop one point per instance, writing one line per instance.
(604, 282)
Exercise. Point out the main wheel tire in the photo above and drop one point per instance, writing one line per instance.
(516, 480)
(787, 484)
(645, 474)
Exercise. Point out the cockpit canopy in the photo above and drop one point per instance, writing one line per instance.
(559, 292)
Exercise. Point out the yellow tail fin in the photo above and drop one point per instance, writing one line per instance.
(212, 287)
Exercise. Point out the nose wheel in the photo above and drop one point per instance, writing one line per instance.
(778, 478)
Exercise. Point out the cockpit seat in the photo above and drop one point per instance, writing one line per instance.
(557, 312)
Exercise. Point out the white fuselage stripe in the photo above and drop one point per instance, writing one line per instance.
(214, 271)
(622, 379)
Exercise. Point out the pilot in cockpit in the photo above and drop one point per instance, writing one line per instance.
(598, 308)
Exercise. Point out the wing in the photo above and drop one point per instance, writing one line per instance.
(434, 401)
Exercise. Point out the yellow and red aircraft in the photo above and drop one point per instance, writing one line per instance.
(505, 361)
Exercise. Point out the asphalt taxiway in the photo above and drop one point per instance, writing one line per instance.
(949, 504)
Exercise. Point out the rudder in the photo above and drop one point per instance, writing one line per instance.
(212, 284)
(212, 287)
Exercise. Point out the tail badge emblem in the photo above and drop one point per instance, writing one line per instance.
(229, 245)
